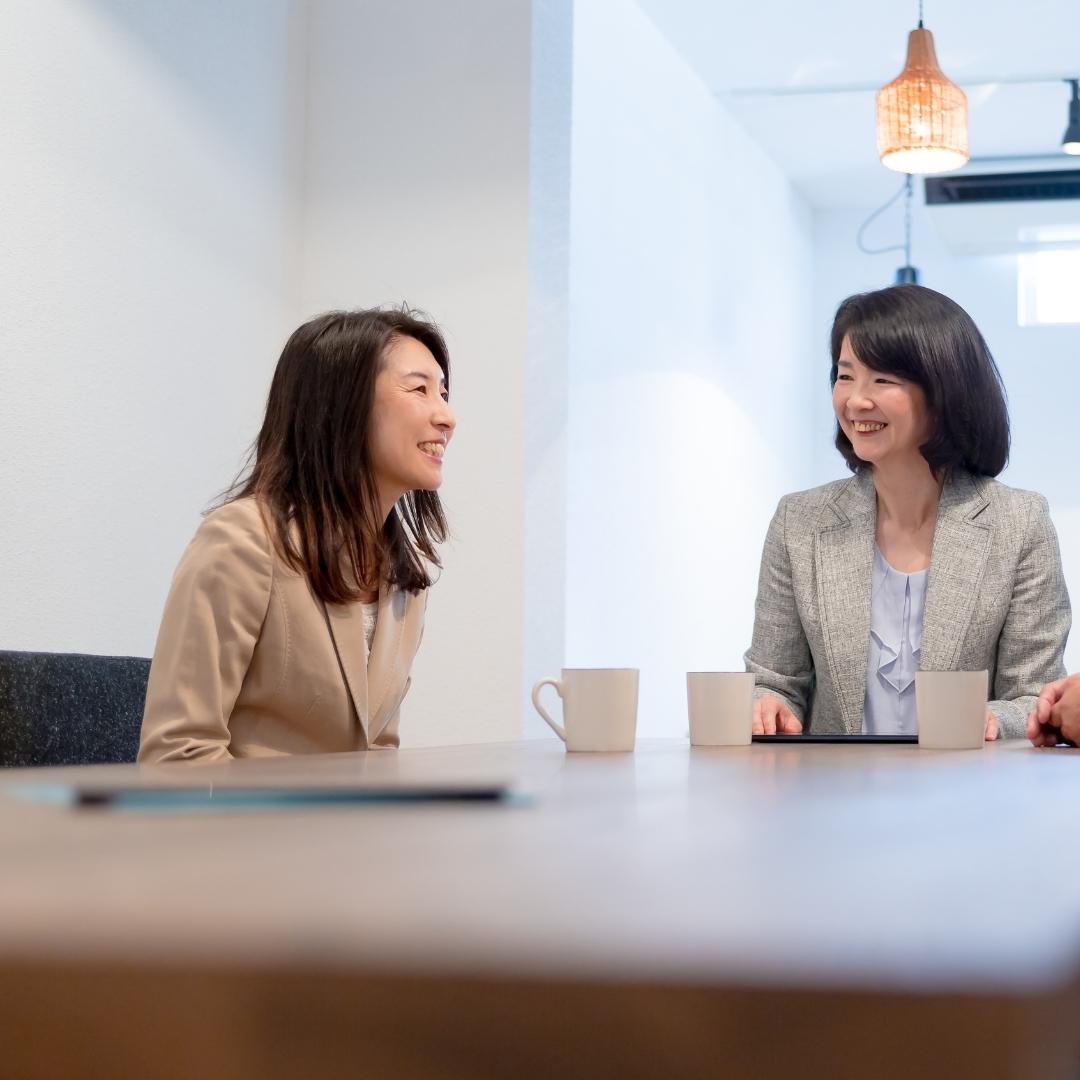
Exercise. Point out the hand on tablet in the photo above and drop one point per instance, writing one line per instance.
(773, 717)
(1056, 715)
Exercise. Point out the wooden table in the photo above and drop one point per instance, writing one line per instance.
(862, 911)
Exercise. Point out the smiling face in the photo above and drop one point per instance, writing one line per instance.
(411, 421)
(884, 416)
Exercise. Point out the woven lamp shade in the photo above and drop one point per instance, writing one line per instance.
(921, 116)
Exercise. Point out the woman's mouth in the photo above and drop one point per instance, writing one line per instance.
(867, 427)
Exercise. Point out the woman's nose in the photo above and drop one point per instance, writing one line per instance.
(446, 418)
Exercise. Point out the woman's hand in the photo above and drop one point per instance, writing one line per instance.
(773, 717)
(991, 731)
(1056, 714)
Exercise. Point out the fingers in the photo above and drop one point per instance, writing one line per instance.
(1044, 735)
(1046, 700)
(759, 723)
(1031, 728)
(768, 715)
(1065, 715)
(1040, 734)
(772, 716)
(1042, 726)
(788, 722)
(990, 731)
(1049, 697)
(1034, 731)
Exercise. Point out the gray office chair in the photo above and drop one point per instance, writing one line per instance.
(69, 708)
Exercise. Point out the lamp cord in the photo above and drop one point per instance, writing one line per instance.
(920, 15)
(907, 220)
(906, 246)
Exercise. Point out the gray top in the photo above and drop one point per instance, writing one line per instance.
(995, 599)
(896, 624)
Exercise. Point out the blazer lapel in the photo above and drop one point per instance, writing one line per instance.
(957, 563)
(376, 683)
(844, 555)
(346, 623)
(392, 650)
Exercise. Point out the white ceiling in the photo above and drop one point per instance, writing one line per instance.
(773, 63)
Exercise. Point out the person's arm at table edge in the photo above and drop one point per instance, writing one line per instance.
(779, 641)
(213, 617)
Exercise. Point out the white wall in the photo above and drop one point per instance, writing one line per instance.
(547, 370)
(623, 275)
(145, 211)
(184, 182)
(1039, 365)
(690, 305)
(416, 189)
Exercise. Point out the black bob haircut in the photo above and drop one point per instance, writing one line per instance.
(926, 338)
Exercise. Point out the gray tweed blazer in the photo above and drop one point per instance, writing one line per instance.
(995, 599)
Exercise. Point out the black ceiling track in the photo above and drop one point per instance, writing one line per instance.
(1003, 187)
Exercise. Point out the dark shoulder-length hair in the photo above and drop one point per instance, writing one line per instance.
(311, 464)
(920, 335)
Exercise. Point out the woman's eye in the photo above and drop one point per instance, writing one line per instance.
(843, 378)
(420, 389)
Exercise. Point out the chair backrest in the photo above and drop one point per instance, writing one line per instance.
(70, 708)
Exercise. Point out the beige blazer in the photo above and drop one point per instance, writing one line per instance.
(249, 663)
(995, 599)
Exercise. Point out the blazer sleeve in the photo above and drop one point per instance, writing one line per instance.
(1031, 647)
(779, 654)
(213, 616)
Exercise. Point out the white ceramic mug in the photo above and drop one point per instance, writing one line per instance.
(721, 707)
(950, 707)
(599, 708)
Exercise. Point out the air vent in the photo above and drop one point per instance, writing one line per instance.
(1003, 187)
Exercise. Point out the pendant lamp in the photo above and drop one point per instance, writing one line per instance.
(921, 115)
(1070, 141)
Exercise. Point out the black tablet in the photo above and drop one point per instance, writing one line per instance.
(837, 738)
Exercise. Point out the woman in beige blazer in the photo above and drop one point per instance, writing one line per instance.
(921, 560)
(297, 609)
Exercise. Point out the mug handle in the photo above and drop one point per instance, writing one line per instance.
(557, 728)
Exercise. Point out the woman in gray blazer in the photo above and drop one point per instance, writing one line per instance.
(920, 560)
